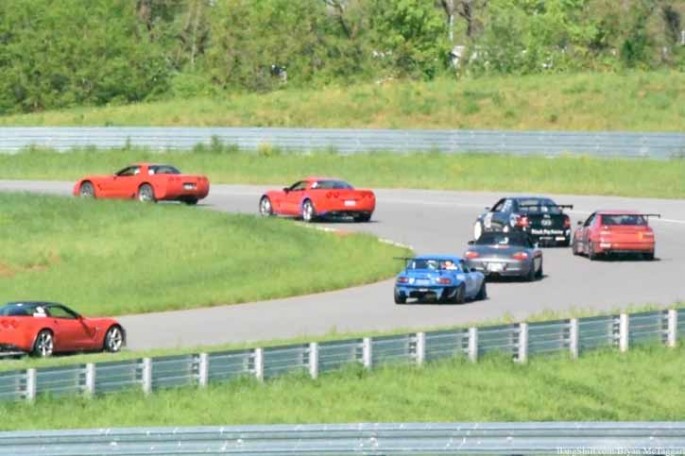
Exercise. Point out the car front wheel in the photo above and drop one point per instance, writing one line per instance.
(265, 207)
(114, 339)
(86, 190)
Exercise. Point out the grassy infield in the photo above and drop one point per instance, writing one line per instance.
(600, 386)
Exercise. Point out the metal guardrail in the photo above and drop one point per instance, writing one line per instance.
(350, 141)
(516, 341)
(542, 438)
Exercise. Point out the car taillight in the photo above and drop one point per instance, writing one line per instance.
(402, 280)
(444, 281)
(521, 220)
(647, 234)
(520, 256)
(471, 254)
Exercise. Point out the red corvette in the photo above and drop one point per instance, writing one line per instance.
(614, 232)
(146, 182)
(318, 197)
(44, 328)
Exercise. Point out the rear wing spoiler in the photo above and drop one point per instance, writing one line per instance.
(651, 215)
(562, 206)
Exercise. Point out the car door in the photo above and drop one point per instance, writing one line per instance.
(71, 332)
(293, 197)
(125, 183)
(500, 214)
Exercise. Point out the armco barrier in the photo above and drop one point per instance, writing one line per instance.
(517, 341)
(426, 439)
(350, 141)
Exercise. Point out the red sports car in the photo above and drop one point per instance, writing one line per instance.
(614, 232)
(318, 197)
(44, 328)
(147, 182)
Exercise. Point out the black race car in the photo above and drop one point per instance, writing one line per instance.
(538, 216)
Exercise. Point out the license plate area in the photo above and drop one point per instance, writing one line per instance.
(495, 267)
(188, 186)
(422, 281)
(349, 203)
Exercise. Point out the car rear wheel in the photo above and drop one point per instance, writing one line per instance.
(146, 194)
(114, 339)
(539, 274)
(649, 256)
(362, 217)
(482, 292)
(308, 212)
(591, 254)
(86, 190)
(190, 201)
(574, 247)
(460, 295)
(44, 344)
(265, 207)
(532, 273)
(399, 298)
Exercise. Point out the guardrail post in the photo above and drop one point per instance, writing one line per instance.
(623, 332)
(523, 343)
(367, 355)
(259, 364)
(203, 370)
(573, 339)
(147, 375)
(314, 360)
(30, 384)
(420, 348)
(672, 335)
(90, 379)
(473, 344)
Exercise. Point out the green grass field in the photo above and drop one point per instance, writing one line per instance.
(643, 384)
(121, 257)
(634, 101)
(570, 175)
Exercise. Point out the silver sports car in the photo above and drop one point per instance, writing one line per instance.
(512, 254)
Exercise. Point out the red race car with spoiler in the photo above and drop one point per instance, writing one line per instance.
(615, 232)
(43, 328)
(147, 182)
(319, 197)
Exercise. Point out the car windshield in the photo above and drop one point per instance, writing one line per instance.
(434, 264)
(162, 169)
(19, 309)
(332, 185)
(624, 219)
(538, 205)
(504, 239)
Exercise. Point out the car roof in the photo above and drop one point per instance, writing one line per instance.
(42, 303)
(320, 178)
(618, 212)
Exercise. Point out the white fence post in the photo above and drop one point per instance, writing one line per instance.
(259, 364)
(573, 337)
(420, 348)
(672, 336)
(473, 344)
(523, 343)
(147, 375)
(623, 332)
(30, 384)
(367, 355)
(314, 360)
(203, 370)
(90, 379)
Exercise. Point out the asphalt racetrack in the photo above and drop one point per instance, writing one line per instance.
(430, 222)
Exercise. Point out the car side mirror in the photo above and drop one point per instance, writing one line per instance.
(487, 208)
(286, 189)
(580, 222)
(471, 242)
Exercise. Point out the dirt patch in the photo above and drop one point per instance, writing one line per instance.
(6, 270)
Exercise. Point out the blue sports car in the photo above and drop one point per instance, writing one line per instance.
(442, 278)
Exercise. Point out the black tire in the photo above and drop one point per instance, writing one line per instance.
(308, 211)
(399, 298)
(648, 256)
(574, 247)
(565, 243)
(265, 207)
(44, 345)
(361, 218)
(482, 293)
(190, 201)
(146, 194)
(460, 295)
(592, 256)
(86, 190)
(539, 274)
(114, 339)
(532, 275)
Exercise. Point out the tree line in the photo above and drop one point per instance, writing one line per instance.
(61, 53)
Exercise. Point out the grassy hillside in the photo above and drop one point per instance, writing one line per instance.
(632, 101)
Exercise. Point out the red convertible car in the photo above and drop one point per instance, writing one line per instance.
(44, 328)
(148, 182)
(606, 233)
(318, 197)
